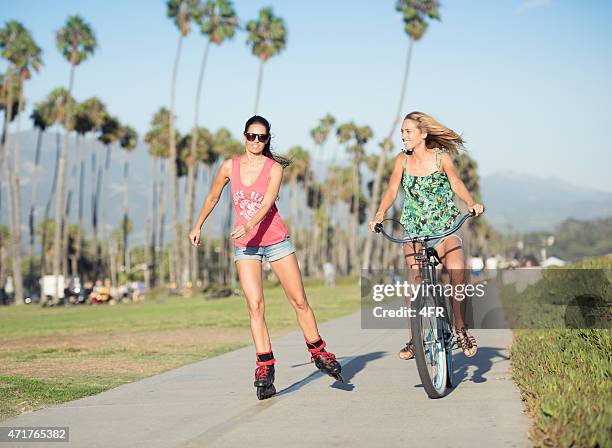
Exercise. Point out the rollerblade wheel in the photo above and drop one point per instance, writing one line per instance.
(265, 392)
(339, 377)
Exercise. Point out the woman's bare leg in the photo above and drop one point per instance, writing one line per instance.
(414, 273)
(288, 273)
(451, 253)
(249, 273)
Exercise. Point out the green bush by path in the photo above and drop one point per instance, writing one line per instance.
(565, 378)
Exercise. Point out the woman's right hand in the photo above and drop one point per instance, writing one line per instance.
(194, 236)
(378, 218)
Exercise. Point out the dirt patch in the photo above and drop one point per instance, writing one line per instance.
(141, 339)
(131, 354)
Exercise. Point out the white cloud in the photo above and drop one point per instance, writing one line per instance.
(527, 5)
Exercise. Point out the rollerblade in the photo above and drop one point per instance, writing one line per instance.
(264, 375)
(324, 361)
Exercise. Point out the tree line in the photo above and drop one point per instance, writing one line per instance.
(335, 205)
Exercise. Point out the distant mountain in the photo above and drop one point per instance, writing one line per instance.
(528, 203)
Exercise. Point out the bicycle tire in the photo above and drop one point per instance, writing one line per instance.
(429, 345)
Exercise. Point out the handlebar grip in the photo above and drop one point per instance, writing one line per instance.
(378, 227)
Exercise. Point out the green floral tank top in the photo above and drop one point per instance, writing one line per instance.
(428, 205)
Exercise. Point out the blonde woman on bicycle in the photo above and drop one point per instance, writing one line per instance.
(429, 180)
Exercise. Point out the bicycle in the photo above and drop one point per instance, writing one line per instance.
(432, 318)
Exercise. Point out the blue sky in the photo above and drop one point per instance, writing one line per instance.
(525, 81)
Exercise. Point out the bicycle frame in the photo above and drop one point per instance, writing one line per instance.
(433, 345)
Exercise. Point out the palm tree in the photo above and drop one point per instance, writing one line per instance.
(109, 134)
(182, 12)
(415, 14)
(339, 181)
(5, 238)
(294, 173)
(355, 137)
(90, 117)
(6, 94)
(23, 55)
(59, 102)
(128, 139)
(320, 135)
(382, 244)
(218, 21)
(83, 125)
(76, 41)
(158, 140)
(267, 38)
(41, 118)
(192, 156)
(227, 147)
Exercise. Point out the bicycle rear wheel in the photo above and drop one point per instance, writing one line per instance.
(430, 346)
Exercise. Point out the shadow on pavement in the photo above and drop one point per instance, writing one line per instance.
(350, 367)
(483, 361)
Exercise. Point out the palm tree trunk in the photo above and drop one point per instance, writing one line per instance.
(17, 212)
(192, 169)
(354, 257)
(173, 175)
(228, 274)
(162, 224)
(192, 250)
(9, 173)
(32, 215)
(374, 201)
(69, 198)
(43, 259)
(65, 227)
(59, 205)
(95, 176)
(104, 205)
(125, 210)
(324, 252)
(259, 79)
(149, 244)
(207, 271)
(79, 237)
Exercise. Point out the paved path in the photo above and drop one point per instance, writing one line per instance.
(213, 402)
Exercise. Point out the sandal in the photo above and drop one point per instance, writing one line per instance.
(466, 342)
(407, 352)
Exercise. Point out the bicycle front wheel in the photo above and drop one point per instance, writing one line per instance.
(429, 344)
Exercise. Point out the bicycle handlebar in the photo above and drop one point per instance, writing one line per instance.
(379, 229)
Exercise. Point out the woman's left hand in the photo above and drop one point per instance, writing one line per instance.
(477, 208)
(240, 231)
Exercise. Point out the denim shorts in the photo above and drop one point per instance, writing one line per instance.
(272, 252)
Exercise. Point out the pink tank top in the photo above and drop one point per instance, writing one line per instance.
(247, 202)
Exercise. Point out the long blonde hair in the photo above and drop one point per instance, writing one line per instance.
(438, 135)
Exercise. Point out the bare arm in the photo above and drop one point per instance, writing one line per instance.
(391, 192)
(276, 177)
(222, 177)
(457, 185)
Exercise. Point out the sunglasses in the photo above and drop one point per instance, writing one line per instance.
(263, 138)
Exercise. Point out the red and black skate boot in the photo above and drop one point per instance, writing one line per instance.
(264, 375)
(325, 361)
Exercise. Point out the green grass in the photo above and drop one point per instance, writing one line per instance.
(167, 313)
(565, 375)
(58, 354)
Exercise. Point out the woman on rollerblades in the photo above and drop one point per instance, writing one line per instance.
(255, 178)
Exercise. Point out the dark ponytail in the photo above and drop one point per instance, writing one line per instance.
(267, 151)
